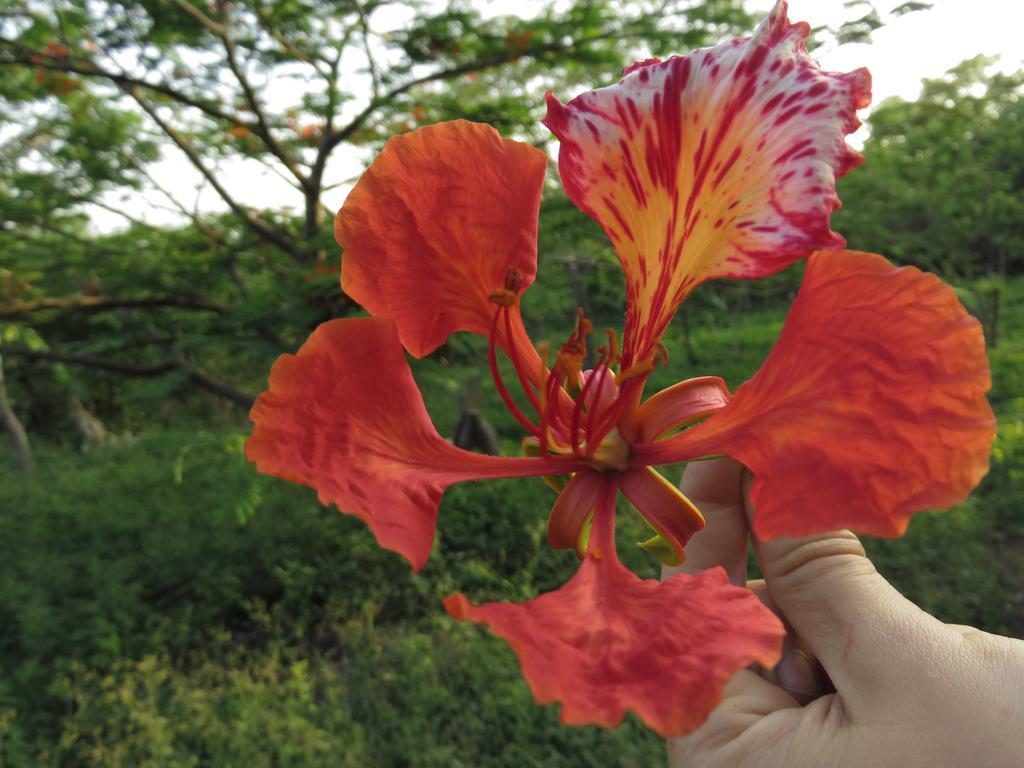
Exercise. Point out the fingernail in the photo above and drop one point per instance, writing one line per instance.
(796, 674)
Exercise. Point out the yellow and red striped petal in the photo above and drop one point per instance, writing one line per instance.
(344, 416)
(436, 224)
(870, 407)
(720, 163)
(609, 642)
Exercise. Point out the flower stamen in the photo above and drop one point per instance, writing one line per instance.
(593, 439)
(502, 297)
(517, 363)
(492, 359)
(630, 389)
(574, 351)
(550, 401)
(581, 400)
(612, 348)
(660, 354)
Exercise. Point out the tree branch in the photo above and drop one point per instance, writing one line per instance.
(28, 57)
(260, 129)
(310, 58)
(334, 139)
(223, 32)
(47, 226)
(194, 375)
(249, 217)
(102, 303)
(218, 29)
(220, 388)
(90, 361)
(127, 216)
(371, 63)
(132, 86)
(356, 122)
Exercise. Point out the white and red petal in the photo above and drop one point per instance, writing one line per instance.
(720, 163)
(344, 416)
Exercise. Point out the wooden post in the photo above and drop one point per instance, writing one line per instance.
(13, 427)
(474, 432)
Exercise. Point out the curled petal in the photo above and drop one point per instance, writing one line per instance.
(436, 225)
(571, 510)
(870, 407)
(679, 405)
(344, 416)
(721, 163)
(609, 641)
(664, 506)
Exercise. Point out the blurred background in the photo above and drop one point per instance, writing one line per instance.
(169, 171)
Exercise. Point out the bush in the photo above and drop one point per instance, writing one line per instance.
(145, 622)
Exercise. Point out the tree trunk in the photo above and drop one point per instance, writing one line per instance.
(13, 426)
(994, 308)
(91, 428)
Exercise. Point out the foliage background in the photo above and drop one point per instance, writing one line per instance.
(161, 604)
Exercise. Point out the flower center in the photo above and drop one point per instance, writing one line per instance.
(577, 411)
(612, 452)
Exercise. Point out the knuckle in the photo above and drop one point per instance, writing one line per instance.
(796, 559)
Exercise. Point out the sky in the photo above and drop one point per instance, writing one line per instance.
(908, 48)
(918, 45)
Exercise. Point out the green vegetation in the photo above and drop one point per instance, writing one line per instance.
(943, 190)
(153, 623)
(162, 604)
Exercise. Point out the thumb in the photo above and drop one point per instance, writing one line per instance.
(855, 623)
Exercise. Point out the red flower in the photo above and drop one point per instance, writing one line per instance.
(717, 164)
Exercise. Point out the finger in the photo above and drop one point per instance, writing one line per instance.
(714, 481)
(798, 672)
(715, 487)
(851, 619)
(747, 699)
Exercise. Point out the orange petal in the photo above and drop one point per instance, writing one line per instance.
(436, 224)
(721, 163)
(679, 405)
(608, 642)
(664, 506)
(870, 407)
(571, 509)
(344, 416)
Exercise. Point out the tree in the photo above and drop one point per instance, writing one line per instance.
(943, 182)
(92, 93)
(200, 73)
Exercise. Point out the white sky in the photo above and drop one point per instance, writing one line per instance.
(918, 45)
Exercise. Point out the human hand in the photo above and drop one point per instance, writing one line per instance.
(881, 682)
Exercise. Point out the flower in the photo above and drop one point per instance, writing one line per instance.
(721, 163)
